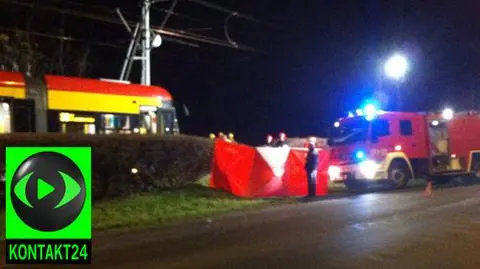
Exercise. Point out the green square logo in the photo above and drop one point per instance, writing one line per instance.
(48, 202)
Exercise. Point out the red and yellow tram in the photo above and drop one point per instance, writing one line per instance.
(80, 105)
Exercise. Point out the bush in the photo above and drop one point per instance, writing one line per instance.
(162, 162)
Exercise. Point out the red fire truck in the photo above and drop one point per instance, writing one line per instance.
(398, 146)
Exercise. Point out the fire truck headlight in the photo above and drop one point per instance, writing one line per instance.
(368, 169)
(447, 113)
(334, 172)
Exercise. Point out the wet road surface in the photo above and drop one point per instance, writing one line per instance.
(399, 229)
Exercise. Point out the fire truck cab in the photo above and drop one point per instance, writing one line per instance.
(399, 146)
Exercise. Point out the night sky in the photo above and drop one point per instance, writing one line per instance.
(316, 59)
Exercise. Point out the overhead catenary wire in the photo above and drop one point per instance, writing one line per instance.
(64, 38)
(110, 9)
(209, 40)
(225, 29)
(169, 13)
(230, 11)
(176, 14)
(222, 9)
(179, 36)
(78, 4)
(199, 29)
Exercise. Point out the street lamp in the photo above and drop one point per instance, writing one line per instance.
(157, 41)
(395, 68)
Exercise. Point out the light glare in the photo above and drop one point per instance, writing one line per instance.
(396, 66)
(157, 41)
(334, 172)
(370, 111)
(447, 113)
(360, 154)
(368, 169)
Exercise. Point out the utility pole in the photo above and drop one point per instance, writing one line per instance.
(146, 43)
(141, 38)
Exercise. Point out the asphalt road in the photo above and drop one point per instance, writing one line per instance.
(399, 229)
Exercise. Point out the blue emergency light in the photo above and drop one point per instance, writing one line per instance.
(360, 155)
(370, 111)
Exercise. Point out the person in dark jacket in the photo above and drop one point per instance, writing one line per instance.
(282, 140)
(269, 141)
(311, 165)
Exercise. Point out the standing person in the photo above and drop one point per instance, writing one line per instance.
(231, 137)
(311, 165)
(222, 136)
(282, 140)
(269, 141)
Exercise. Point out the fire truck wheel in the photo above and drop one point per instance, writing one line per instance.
(399, 174)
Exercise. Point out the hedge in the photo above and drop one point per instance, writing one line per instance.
(162, 162)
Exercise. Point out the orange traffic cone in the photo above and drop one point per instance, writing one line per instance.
(428, 190)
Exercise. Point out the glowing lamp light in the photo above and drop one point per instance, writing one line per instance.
(11, 83)
(370, 111)
(157, 41)
(435, 123)
(368, 169)
(134, 170)
(350, 115)
(454, 156)
(359, 112)
(398, 147)
(396, 66)
(334, 172)
(360, 155)
(447, 113)
(336, 124)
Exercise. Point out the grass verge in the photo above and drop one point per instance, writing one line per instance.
(147, 210)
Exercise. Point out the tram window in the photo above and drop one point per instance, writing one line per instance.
(148, 121)
(111, 123)
(73, 128)
(5, 119)
(23, 115)
(90, 128)
(167, 121)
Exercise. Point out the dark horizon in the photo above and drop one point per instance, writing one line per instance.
(321, 59)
